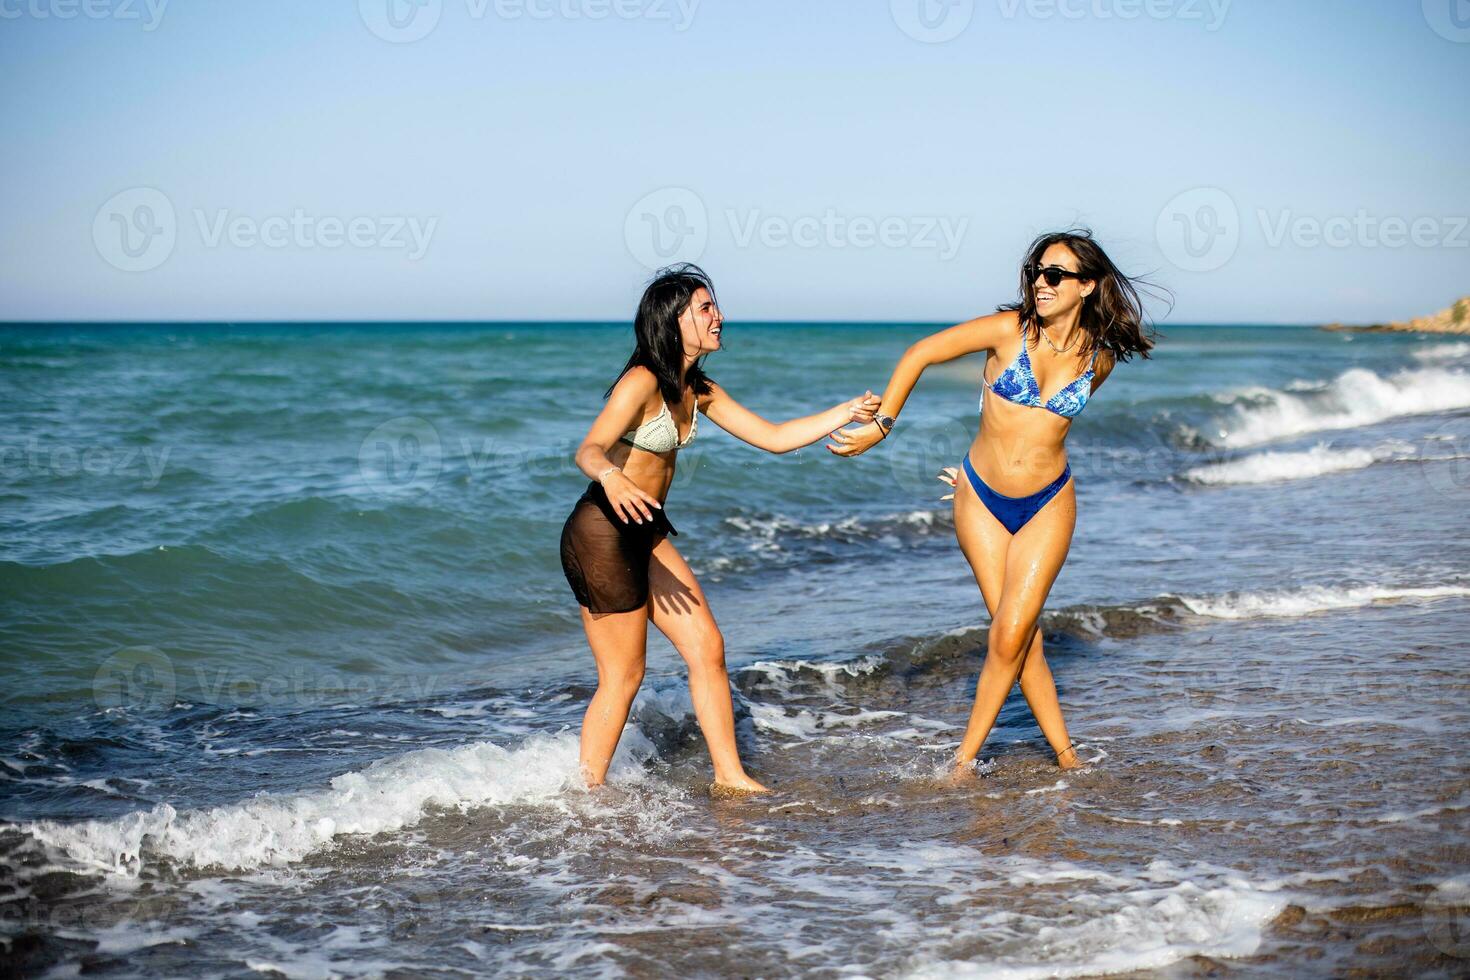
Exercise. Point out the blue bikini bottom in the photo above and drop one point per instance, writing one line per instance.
(1014, 512)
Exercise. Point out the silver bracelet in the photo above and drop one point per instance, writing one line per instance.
(611, 469)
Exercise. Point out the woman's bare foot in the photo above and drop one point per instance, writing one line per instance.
(1067, 758)
(742, 785)
(963, 774)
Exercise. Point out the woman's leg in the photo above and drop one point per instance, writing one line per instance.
(1040, 691)
(619, 642)
(985, 544)
(1015, 574)
(678, 608)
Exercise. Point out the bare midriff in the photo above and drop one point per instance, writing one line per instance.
(1019, 448)
(653, 473)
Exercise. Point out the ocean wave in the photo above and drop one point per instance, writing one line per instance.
(768, 541)
(1313, 599)
(771, 530)
(1087, 623)
(1456, 351)
(1357, 397)
(278, 829)
(1275, 467)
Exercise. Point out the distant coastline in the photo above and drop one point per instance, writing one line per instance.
(1455, 319)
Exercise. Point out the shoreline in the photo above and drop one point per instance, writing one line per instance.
(1453, 320)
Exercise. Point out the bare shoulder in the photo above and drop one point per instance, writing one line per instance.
(1001, 328)
(714, 394)
(995, 328)
(1104, 367)
(638, 382)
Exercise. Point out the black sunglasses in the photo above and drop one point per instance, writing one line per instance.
(1052, 274)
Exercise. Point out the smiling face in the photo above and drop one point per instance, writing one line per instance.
(1066, 295)
(700, 324)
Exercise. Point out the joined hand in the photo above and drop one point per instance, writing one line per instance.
(863, 409)
(856, 441)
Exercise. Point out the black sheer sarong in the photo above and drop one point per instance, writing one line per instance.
(606, 560)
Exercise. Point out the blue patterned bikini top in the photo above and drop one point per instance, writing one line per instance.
(1018, 384)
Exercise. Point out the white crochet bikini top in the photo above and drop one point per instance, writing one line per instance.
(660, 434)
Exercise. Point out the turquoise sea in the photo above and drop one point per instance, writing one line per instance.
(293, 678)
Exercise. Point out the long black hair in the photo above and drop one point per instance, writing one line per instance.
(660, 346)
(1113, 317)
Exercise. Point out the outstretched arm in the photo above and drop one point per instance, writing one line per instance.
(782, 437)
(981, 333)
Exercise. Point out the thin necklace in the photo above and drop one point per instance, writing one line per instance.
(1060, 350)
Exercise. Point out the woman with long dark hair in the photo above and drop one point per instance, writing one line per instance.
(1014, 511)
(615, 547)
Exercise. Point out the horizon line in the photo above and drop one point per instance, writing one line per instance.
(574, 322)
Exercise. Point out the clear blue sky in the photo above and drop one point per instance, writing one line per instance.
(821, 150)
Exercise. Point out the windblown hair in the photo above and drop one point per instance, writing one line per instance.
(660, 346)
(1113, 317)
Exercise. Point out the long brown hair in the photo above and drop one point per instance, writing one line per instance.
(1113, 317)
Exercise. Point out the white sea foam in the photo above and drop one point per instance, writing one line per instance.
(1148, 920)
(1357, 397)
(1313, 599)
(782, 674)
(769, 530)
(1275, 467)
(1443, 352)
(389, 795)
(802, 723)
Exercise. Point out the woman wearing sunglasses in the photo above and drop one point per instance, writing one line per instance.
(1015, 508)
(615, 547)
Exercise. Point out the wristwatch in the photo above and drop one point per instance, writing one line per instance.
(885, 422)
